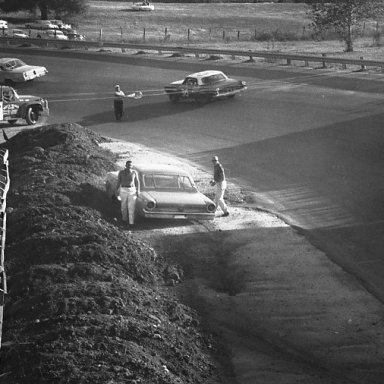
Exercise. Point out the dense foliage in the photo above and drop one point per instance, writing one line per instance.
(346, 17)
(57, 7)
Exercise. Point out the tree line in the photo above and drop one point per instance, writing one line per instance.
(346, 17)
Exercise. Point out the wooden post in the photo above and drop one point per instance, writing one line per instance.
(144, 34)
(288, 61)
(223, 35)
(363, 67)
(324, 63)
(101, 35)
(238, 35)
(165, 33)
(189, 34)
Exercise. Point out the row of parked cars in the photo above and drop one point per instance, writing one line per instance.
(43, 29)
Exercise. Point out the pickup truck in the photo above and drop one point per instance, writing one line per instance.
(14, 107)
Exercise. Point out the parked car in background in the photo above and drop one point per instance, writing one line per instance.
(166, 192)
(20, 33)
(72, 34)
(41, 24)
(14, 70)
(54, 34)
(3, 24)
(27, 107)
(61, 24)
(204, 86)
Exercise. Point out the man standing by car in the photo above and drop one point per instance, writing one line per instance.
(118, 102)
(220, 185)
(128, 186)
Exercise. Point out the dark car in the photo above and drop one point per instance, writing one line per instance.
(27, 107)
(204, 87)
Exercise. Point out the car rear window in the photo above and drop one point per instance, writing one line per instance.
(166, 182)
(213, 79)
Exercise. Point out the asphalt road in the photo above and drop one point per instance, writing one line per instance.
(308, 142)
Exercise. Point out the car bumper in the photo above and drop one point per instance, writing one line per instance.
(229, 93)
(32, 76)
(177, 215)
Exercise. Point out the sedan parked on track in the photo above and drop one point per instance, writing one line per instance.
(16, 71)
(27, 107)
(204, 87)
(167, 192)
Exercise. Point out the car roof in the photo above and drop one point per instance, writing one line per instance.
(6, 59)
(206, 73)
(160, 168)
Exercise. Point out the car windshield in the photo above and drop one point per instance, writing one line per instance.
(12, 64)
(190, 81)
(167, 182)
(213, 78)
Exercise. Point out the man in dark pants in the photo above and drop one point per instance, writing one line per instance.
(118, 103)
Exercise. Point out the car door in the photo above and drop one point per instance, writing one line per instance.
(10, 106)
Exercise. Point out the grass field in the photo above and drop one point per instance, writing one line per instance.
(263, 26)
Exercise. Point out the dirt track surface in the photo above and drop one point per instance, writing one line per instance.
(243, 299)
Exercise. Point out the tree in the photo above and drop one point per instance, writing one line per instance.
(345, 16)
(58, 7)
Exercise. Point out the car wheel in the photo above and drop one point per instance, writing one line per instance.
(203, 99)
(109, 190)
(174, 97)
(12, 122)
(32, 115)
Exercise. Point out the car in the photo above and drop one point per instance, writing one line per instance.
(166, 192)
(204, 86)
(14, 70)
(72, 34)
(14, 106)
(61, 24)
(18, 33)
(52, 34)
(3, 24)
(41, 24)
(143, 6)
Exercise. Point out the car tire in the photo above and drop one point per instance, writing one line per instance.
(174, 97)
(109, 190)
(32, 115)
(12, 122)
(203, 99)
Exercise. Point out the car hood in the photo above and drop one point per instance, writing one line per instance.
(177, 198)
(177, 82)
(29, 98)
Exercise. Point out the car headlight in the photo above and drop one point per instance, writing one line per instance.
(151, 205)
(211, 208)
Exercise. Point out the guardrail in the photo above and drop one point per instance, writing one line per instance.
(4, 188)
(323, 59)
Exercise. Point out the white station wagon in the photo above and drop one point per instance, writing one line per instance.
(14, 70)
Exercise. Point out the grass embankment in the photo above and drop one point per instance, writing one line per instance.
(279, 27)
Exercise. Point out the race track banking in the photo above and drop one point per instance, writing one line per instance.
(308, 142)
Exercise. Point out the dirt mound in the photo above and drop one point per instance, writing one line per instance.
(86, 300)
